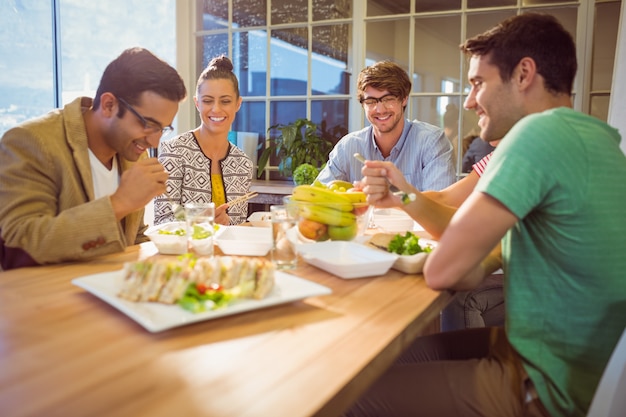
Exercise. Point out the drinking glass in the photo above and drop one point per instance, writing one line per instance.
(200, 218)
(284, 253)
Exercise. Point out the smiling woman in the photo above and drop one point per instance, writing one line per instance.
(203, 165)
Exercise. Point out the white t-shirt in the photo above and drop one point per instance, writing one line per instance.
(105, 181)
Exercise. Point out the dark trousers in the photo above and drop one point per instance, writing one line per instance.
(466, 373)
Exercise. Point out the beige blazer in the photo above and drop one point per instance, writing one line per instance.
(48, 213)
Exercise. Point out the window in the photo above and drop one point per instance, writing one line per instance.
(55, 51)
(300, 58)
(292, 60)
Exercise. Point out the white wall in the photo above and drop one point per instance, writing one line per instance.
(617, 105)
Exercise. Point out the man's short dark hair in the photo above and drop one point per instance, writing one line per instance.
(384, 75)
(535, 35)
(137, 70)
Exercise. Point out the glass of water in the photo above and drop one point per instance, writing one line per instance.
(284, 253)
(200, 218)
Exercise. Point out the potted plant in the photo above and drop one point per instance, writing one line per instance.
(299, 142)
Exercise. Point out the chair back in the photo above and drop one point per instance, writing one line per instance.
(610, 397)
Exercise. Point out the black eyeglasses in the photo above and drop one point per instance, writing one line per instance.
(148, 125)
(388, 100)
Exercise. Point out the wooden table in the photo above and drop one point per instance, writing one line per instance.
(63, 352)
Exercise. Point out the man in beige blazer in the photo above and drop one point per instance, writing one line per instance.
(74, 183)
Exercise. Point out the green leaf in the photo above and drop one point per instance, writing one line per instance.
(265, 156)
(297, 143)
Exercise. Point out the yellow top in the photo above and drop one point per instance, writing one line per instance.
(217, 190)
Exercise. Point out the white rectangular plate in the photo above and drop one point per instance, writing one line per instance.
(347, 259)
(245, 240)
(156, 317)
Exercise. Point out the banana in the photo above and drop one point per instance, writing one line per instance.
(335, 184)
(353, 196)
(327, 215)
(322, 197)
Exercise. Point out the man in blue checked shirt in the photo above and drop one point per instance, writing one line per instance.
(420, 150)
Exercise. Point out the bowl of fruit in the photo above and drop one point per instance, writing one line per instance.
(333, 211)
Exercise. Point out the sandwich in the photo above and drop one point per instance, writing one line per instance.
(197, 284)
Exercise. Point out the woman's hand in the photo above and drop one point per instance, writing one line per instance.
(221, 215)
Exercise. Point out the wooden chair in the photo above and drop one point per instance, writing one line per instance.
(610, 397)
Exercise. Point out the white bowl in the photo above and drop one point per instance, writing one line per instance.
(261, 219)
(409, 264)
(347, 259)
(244, 240)
(169, 244)
(414, 264)
(393, 220)
(173, 244)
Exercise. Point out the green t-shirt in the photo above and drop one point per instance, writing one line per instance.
(563, 175)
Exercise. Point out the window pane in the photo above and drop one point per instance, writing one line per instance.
(394, 45)
(250, 61)
(332, 116)
(215, 14)
(284, 112)
(437, 5)
(427, 109)
(329, 65)
(385, 7)
(332, 9)
(212, 46)
(289, 62)
(477, 23)
(536, 2)
(289, 11)
(251, 118)
(438, 37)
(26, 84)
(604, 44)
(85, 52)
(476, 4)
(249, 13)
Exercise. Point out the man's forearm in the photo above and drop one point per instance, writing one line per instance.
(487, 266)
(432, 215)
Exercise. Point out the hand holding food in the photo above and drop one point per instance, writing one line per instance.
(138, 186)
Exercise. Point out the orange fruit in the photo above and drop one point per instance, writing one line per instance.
(313, 230)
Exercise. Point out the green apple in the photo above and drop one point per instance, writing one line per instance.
(343, 232)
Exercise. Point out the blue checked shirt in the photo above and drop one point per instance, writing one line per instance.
(423, 154)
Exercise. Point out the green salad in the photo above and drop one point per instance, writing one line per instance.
(177, 232)
(199, 298)
(407, 245)
(199, 232)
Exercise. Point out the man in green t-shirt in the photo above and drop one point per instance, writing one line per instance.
(554, 193)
